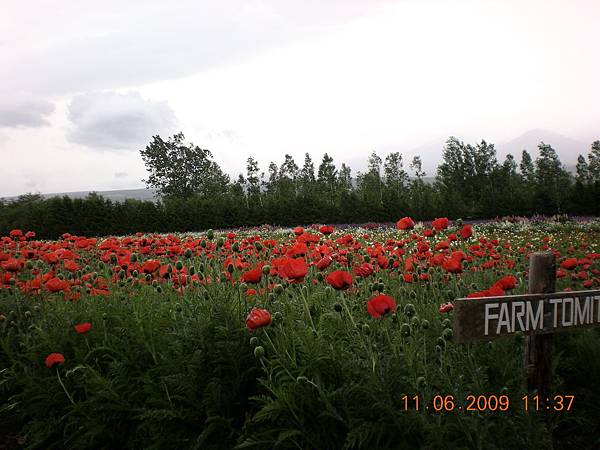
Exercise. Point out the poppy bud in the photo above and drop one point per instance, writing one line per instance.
(405, 329)
(12, 281)
(320, 276)
(447, 334)
(441, 342)
(188, 253)
(121, 274)
(366, 329)
(278, 289)
(203, 244)
(258, 246)
(179, 265)
(421, 382)
(409, 310)
(277, 317)
(113, 258)
(519, 337)
(230, 268)
(220, 242)
(337, 307)
(29, 265)
(222, 278)
(243, 287)
(192, 270)
(253, 341)
(270, 297)
(266, 269)
(447, 323)
(210, 234)
(425, 324)
(415, 322)
(259, 351)
(133, 258)
(412, 295)
(158, 289)
(438, 349)
(134, 274)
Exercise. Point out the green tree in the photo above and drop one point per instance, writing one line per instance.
(552, 181)
(181, 170)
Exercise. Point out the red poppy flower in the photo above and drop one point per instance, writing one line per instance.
(71, 265)
(293, 269)
(83, 328)
(56, 284)
(252, 276)
(324, 262)
(569, 263)
(452, 265)
(150, 266)
(406, 223)
(258, 318)
(339, 279)
(54, 358)
(326, 229)
(466, 231)
(12, 265)
(15, 233)
(380, 305)
(506, 283)
(363, 270)
(446, 307)
(298, 231)
(440, 224)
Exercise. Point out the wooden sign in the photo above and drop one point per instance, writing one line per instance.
(493, 317)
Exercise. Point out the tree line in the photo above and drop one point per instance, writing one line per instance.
(195, 193)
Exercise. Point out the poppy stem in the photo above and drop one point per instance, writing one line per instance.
(347, 310)
(305, 301)
(64, 388)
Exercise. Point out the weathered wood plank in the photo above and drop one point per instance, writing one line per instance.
(493, 317)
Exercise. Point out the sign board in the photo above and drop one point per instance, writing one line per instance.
(493, 317)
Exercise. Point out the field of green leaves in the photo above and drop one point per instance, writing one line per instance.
(304, 338)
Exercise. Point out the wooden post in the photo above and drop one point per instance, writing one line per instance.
(538, 347)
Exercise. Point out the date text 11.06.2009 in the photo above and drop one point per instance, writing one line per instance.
(488, 403)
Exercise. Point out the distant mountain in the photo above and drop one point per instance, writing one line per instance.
(116, 195)
(567, 149)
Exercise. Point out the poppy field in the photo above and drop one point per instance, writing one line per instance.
(311, 337)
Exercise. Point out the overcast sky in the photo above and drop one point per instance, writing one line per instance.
(84, 85)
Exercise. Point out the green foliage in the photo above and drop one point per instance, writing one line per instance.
(180, 170)
(469, 183)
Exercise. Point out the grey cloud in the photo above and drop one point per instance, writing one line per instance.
(24, 111)
(121, 174)
(109, 120)
(155, 42)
